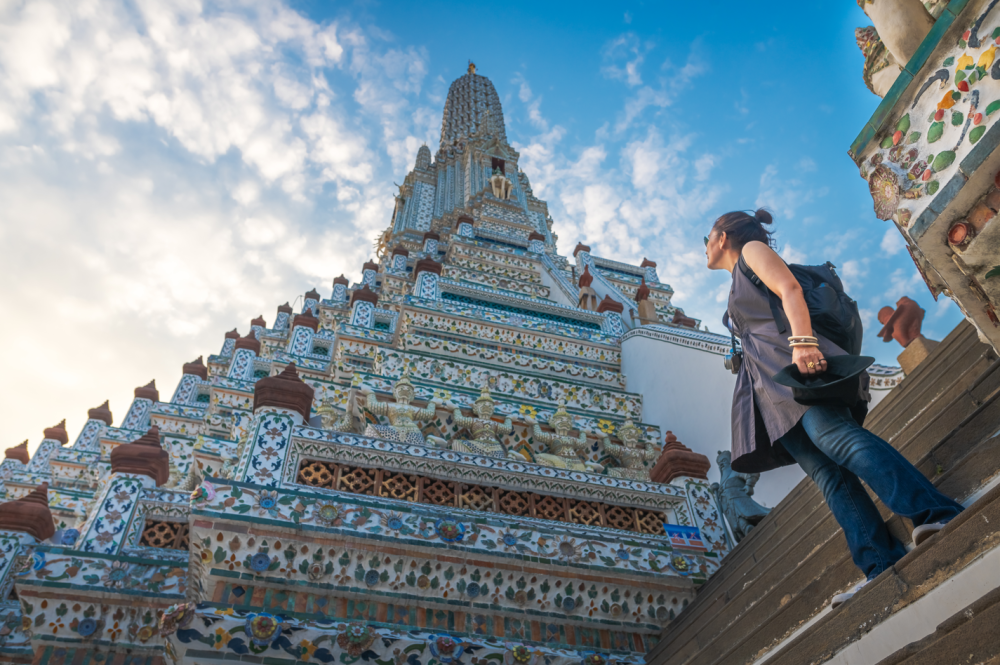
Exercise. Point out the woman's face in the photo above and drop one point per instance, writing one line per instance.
(715, 244)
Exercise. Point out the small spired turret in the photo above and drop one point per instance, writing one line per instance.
(423, 158)
(588, 296)
(647, 311)
(472, 108)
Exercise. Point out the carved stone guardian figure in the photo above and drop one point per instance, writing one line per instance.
(566, 449)
(734, 491)
(332, 419)
(486, 432)
(631, 457)
(403, 417)
(501, 185)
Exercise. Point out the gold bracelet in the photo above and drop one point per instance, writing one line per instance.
(802, 338)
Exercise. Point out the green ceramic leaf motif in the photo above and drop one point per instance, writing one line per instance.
(932, 187)
(957, 118)
(913, 137)
(995, 271)
(959, 76)
(886, 142)
(904, 124)
(949, 61)
(943, 161)
(935, 132)
(993, 107)
(976, 133)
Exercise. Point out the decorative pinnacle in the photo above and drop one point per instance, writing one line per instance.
(472, 67)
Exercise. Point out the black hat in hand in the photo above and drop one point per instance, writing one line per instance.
(837, 386)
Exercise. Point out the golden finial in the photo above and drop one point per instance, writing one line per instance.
(472, 67)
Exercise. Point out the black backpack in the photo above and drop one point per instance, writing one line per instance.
(833, 313)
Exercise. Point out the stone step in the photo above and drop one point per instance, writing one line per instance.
(969, 636)
(782, 530)
(783, 574)
(968, 537)
(960, 341)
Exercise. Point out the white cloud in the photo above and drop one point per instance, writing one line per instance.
(168, 171)
(892, 242)
(792, 255)
(785, 196)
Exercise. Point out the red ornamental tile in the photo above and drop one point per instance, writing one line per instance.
(977, 119)
(963, 86)
(958, 233)
(897, 137)
(939, 114)
(927, 175)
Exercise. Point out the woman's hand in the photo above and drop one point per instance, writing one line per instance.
(803, 356)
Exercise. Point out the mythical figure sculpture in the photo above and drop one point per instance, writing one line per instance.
(501, 185)
(486, 432)
(631, 457)
(901, 324)
(734, 491)
(881, 69)
(565, 449)
(402, 416)
(332, 419)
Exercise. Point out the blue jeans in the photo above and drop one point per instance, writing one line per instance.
(835, 452)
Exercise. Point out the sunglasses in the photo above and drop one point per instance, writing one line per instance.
(706, 241)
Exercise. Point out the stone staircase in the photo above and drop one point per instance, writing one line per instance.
(769, 602)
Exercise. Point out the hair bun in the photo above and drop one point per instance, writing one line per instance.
(763, 216)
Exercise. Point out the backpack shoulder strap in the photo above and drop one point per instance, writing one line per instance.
(772, 300)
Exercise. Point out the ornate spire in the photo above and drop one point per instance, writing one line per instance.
(143, 456)
(249, 342)
(103, 412)
(57, 432)
(472, 107)
(285, 391)
(196, 367)
(148, 391)
(642, 293)
(18, 452)
(586, 279)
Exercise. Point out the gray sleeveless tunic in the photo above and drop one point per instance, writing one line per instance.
(764, 411)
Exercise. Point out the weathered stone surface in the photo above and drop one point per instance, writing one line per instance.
(915, 353)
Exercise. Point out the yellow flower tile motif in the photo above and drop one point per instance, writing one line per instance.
(222, 638)
(606, 426)
(529, 411)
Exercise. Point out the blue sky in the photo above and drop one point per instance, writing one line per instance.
(169, 170)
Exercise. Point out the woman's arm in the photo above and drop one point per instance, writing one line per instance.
(776, 276)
